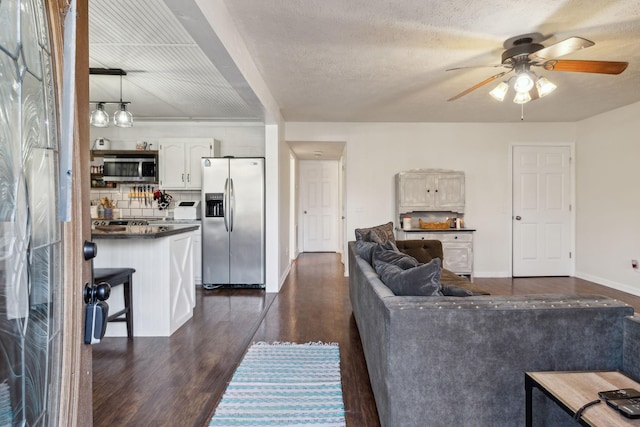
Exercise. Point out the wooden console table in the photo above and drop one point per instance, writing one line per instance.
(572, 390)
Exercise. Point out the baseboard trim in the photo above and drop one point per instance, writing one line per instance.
(609, 283)
(488, 275)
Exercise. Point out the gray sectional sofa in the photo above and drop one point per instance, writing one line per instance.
(453, 361)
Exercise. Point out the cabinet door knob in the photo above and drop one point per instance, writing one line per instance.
(518, 218)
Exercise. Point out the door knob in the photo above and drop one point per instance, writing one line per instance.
(89, 250)
(94, 293)
(518, 218)
(305, 212)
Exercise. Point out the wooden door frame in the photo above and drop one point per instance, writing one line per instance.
(572, 239)
(75, 406)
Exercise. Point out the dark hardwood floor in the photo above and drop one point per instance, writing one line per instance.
(178, 381)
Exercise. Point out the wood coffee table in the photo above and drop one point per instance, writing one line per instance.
(572, 390)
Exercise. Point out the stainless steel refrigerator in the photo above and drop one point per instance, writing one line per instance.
(233, 222)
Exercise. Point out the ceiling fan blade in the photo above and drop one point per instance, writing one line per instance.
(475, 66)
(562, 48)
(482, 83)
(578, 66)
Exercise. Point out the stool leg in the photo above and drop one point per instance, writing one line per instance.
(127, 303)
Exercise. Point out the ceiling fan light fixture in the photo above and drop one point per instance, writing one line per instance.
(122, 118)
(99, 117)
(522, 97)
(523, 83)
(545, 87)
(499, 92)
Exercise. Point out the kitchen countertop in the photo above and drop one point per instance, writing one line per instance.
(174, 221)
(152, 231)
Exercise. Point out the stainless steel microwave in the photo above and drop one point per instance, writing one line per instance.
(131, 167)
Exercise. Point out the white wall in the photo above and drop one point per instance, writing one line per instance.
(284, 201)
(375, 152)
(608, 198)
(277, 215)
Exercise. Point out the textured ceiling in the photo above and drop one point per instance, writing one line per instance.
(367, 60)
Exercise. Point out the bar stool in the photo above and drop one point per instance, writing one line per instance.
(115, 277)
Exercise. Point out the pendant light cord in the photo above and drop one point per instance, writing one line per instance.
(120, 90)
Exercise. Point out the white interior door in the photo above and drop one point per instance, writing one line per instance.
(542, 219)
(319, 205)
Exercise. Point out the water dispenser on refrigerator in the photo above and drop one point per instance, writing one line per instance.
(215, 205)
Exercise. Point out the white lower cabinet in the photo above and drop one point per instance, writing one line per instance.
(163, 291)
(197, 245)
(197, 257)
(182, 291)
(457, 247)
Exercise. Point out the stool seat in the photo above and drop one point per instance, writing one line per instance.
(115, 277)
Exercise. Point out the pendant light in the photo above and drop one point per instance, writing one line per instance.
(99, 117)
(122, 118)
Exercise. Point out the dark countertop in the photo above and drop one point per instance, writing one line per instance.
(175, 221)
(436, 230)
(142, 231)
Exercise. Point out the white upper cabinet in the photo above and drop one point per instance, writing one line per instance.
(179, 160)
(430, 190)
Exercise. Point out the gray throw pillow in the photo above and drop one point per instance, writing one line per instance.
(393, 256)
(380, 233)
(365, 250)
(423, 280)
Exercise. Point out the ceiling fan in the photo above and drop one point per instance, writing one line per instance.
(526, 51)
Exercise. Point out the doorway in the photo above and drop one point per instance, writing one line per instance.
(319, 205)
(542, 214)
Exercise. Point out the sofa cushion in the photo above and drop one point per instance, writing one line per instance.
(390, 254)
(455, 291)
(422, 250)
(423, 280)
(448, 277)
(380, 233)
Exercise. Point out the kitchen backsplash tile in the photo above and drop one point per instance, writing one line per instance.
(132, 207)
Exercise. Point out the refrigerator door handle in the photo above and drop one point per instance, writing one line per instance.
(233, 203)
(226, 204)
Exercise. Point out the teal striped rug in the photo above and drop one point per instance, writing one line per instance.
(284, 384)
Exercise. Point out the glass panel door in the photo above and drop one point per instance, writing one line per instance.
(30, 233)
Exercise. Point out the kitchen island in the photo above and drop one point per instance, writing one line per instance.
(163, 290)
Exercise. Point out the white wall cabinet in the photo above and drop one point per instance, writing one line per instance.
(457, 247)
(430, 190)
(179, 161)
